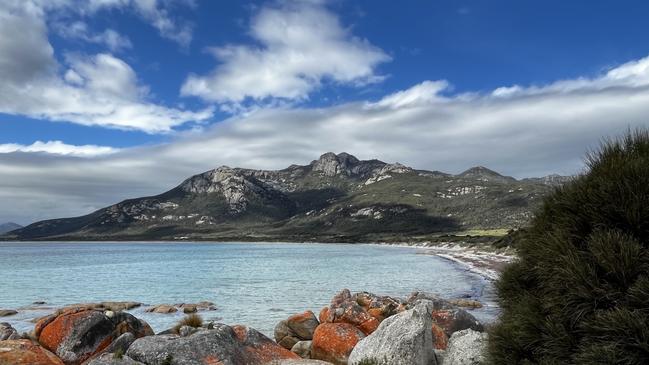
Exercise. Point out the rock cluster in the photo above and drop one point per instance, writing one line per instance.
(356, 328)
(363, 326)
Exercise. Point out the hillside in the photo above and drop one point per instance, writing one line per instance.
(8, 227)
(334, 198)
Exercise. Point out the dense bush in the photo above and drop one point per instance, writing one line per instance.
(579, 294)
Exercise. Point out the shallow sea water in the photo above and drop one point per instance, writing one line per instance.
(256, 284)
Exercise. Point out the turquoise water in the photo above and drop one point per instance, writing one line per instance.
(257, 284)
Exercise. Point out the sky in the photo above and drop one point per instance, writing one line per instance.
(104, 100)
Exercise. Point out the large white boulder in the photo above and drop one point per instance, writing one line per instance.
(403, 339)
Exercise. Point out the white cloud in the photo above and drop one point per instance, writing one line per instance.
(153, 11)
(423, 93)
(97, 90)
(109, 37)
(58, 148)
(301, 45)
(530, 131)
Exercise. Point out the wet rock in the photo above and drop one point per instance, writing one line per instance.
(222, 345)
(466, 347)
(26, 352)
(345, 309)
(162, 308)
(7, 332)
(298, 327)
(39, 302)
(334, 342)
(119, 306)
(113, 359)
(402, 339)
(302, 349)
(466, 303)
(111, 306)
(77, 334)
(7, 312)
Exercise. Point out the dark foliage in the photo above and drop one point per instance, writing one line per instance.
(580, 292)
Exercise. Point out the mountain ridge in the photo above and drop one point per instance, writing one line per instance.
(334, 198)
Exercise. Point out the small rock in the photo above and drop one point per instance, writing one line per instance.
(39, 302)
(402, 339)
(298, 327)
(466, 347)
(189, 309)
(302, 349)
(7, 312)
(162, 308)
(26, 352)
(334, 342)
(7, 332)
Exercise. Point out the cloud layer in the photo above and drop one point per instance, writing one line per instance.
(96, 89)
(517, 130)
(300, 46)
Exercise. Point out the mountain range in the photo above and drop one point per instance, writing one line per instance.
(334, 198)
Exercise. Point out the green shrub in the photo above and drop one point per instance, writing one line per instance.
(579, 293)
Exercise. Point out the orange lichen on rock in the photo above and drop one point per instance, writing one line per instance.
(334, 342)
(26, 352)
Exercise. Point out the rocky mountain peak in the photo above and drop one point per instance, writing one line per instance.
(483, 173)
(331, 164)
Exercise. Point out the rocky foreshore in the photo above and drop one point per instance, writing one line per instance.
(360, 328)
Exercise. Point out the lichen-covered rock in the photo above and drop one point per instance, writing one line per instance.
(402, 339)
(334, 342)
(112, 359)
(7, 332)
(26, 352)
(345, 309)
(302, 349)
(77, 334)
(453, 320)
(466, 347)
(466, 303)
(379, 307)
(296, 328)
(223, 345)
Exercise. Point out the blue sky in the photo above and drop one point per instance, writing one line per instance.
(144, 93)
(476, 45)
